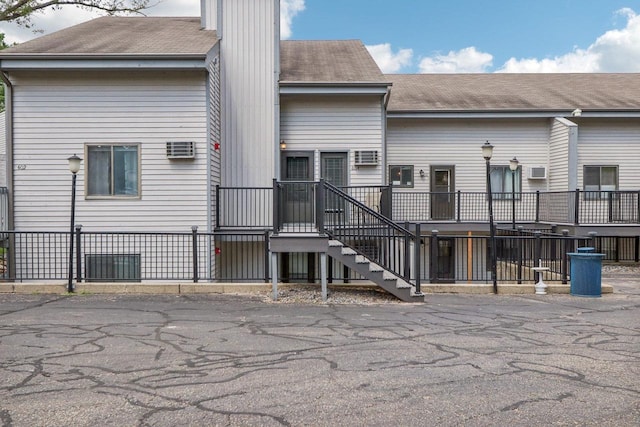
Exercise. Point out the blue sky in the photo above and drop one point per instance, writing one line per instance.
(502, 28)
(448, 35)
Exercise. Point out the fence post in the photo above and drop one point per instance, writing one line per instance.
(320, 207)
(266, 257)
(78, 254)
(10, 255)
(576, 210)
(390, 201)
(538, 253)
(592, 239)
(407, 251)
(564, 268)
(537, 206)
(217, 202)
(610, 206)
(417, 257)
(194, 250)
(637, 257)
(276, 207)
(433, 256)
(520, 235)
(459, 207)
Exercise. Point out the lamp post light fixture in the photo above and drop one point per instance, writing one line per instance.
(74, 167)
(513, 165)
(487, 153)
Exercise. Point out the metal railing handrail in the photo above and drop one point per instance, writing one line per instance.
(370, 211)
(392, 262)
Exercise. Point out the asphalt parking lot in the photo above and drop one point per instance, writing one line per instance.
(480, 360)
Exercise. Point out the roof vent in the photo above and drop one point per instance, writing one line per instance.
(365, 158)
(181, 150)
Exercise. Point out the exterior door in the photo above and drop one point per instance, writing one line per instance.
(333, 168)
(297, 195)
(446, 259)
(442, 192)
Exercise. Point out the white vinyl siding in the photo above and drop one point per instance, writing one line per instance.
(58, 113)
(425, 143)
(559, 148)
(335, 124)
(611, 142)
(249, 72)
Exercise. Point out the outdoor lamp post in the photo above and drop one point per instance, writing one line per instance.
(487, 152)
(74, 167)
(513, 165)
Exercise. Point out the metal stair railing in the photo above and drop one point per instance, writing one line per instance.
(370, 233)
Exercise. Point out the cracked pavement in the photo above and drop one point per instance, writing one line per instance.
(479, 360)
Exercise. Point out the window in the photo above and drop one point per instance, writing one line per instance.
(598, 180)
(112, 267)
(112, 171)
(501, 182)
(401, 176)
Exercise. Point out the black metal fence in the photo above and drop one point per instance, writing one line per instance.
(244, 256)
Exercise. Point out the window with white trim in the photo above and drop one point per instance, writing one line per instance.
(501, 182)
(598, 180)
(113, 170)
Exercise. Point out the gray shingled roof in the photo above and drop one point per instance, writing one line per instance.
(514, 92)
(133, 36)
(337, 61)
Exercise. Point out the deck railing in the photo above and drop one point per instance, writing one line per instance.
(254, 208)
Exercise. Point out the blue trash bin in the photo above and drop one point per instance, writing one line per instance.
(586, 273)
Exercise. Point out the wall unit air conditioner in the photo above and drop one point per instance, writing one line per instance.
(181, 150)
(365, 158)
(537, 172)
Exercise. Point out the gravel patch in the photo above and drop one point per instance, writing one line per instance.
(304, 294)
(613, 271)
(311, 294)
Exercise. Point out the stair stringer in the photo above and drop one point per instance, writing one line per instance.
(387, 280)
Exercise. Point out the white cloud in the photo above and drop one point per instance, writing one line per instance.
(387, 60)
(467, 60)
(288, 10)
(614, 51)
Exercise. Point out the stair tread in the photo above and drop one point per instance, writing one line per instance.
(362, 260)
(387, 280)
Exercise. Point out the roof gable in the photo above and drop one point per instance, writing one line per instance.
(320, 61)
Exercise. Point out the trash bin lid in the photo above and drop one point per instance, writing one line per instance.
(586, 249)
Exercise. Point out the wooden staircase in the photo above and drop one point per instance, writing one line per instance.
(388, 281)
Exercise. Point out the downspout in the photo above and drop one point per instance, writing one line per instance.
(8, 103)
(387, 97)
